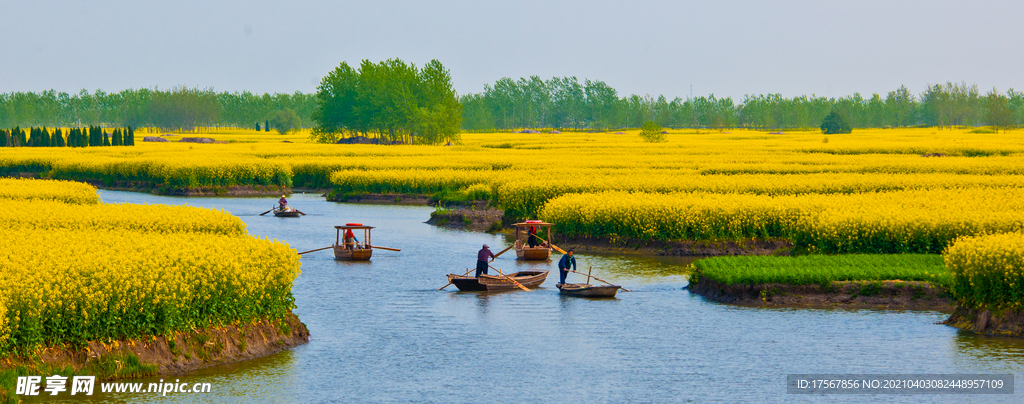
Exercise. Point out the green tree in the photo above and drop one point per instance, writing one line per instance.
(285, 121)
(651, 132)
(836, 122)
(998, 114)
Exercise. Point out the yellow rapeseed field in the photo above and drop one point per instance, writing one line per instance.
(75, 270)
(524, 173)
(16, 189)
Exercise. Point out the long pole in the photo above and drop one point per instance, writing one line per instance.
(552, 245)
(318, 249)
(510, 279)
(503, 251)
(601, 280)
(450, 278)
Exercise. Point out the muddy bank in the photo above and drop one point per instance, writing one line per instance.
(381, 199)
(896, 295)
(193, 350)
(237, 190)
(673, 248)
(1008, 323)
(403, 199)
(485, 220)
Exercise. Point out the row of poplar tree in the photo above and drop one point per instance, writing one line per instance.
(92, 136)
(178, 108)
(565, 102)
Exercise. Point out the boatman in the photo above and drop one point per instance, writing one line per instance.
(350, 240)
(563, 266)
(533, 236)
(481, 260)
(282, 202)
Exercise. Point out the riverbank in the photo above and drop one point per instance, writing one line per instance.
(184, 351)
(683, 248)
(1006, 323)
(892, 295)
(236, 190)
(482, 220)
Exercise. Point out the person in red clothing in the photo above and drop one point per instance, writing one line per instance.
(350, 240)
(533, 236)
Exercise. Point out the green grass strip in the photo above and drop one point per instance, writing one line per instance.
(822, 269)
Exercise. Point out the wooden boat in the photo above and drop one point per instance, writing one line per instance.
(286, 212)
(585, 290)
(542, 251)
(355, 252)
(488, 283)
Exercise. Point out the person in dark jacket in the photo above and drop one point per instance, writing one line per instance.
(481, 260)
(564, 264)
(533, 236)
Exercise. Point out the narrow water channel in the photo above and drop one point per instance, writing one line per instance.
(381, 332)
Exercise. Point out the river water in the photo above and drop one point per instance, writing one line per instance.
(382, 332)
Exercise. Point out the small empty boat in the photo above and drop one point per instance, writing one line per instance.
(585, 290)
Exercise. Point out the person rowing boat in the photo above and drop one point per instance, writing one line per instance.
(481, 260)
(564, 264)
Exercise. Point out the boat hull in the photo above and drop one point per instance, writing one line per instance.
(341, 254)
(533, 254)
(286, 213)
(489, 283)
(583, 290)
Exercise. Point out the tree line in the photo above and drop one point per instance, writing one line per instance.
(180, 108)
(93, 136)
(564, 102)
(391, 101)
(395, 101)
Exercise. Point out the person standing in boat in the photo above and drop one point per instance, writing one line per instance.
(533, 236)
(282, 203)
(481, 260)
(564, 265)
(350, 240)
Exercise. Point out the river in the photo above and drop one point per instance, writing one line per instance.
(382, 332)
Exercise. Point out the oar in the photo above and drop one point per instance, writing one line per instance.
(601, 280)
(261, 214)
(450, 279)
(552, 245)
(503, 251)
(300, 212)
(384, 248)
(318, 249)
(513, 280)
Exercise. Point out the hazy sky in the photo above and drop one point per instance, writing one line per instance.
(729, 48)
